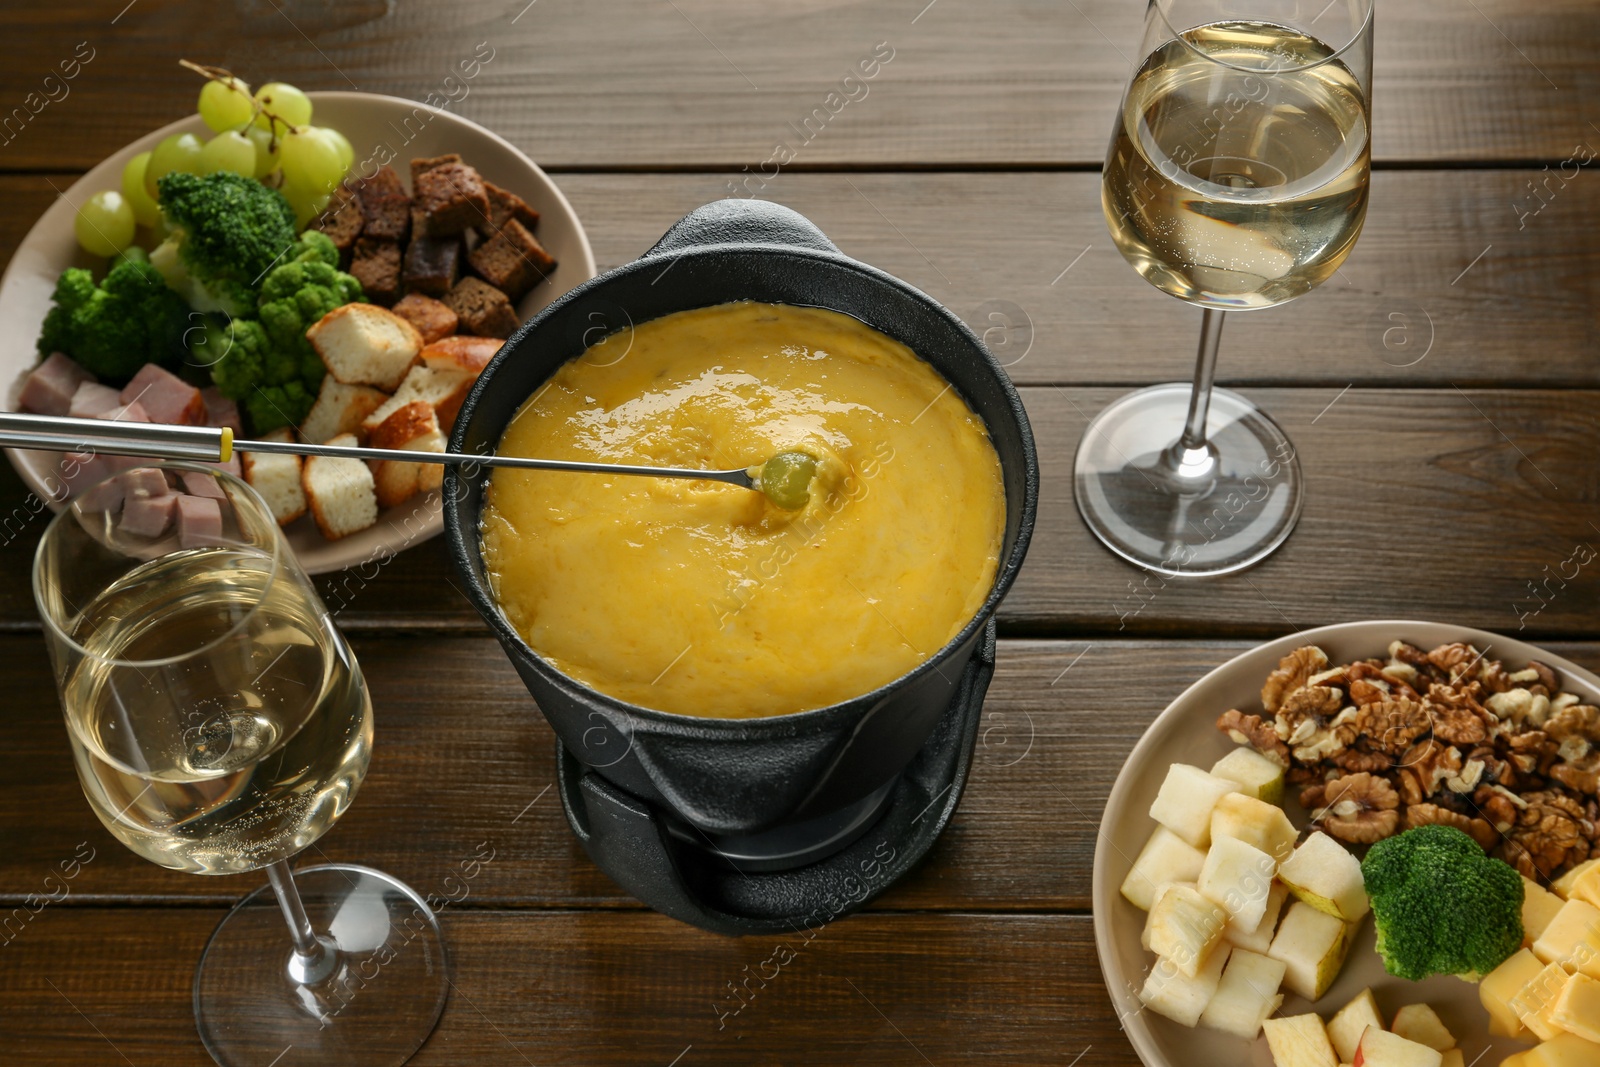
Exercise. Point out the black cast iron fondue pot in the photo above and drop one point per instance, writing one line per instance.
(720, 777)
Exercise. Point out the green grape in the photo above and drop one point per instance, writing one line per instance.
(287, 104)
(310, 160)
(307, 201)
(266, 147)
(230, 150)
(786, 479)
(225, 103)
(146, 212)
(180, 152)
(347, 154)
(104, 224)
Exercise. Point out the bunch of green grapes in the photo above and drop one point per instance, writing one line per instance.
(265, 135)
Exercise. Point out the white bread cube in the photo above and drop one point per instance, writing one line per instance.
(276, 478)
(413, 427)
(363, 344)
(340, 408)
(340, 492)
(443, 377)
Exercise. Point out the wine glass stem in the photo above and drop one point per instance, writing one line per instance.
(1205, 372)
(313, 959)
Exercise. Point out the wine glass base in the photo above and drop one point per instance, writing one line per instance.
(1227, 512)
(375, 1009)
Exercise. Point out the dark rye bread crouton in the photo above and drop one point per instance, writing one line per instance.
(421, 164)
(452, 198)
(432, 318)
(505, 205)
(512, 260)
(342, 220)
(482, 309)
(385, 206)
(432, 265)
(376, 265)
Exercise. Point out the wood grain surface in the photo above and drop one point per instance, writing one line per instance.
(1441, 390)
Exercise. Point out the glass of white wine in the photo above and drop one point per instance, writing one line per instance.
(220, 724)
(1236, 180)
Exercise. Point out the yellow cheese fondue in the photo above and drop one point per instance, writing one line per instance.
(702, 598)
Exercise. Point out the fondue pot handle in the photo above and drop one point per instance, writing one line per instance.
(743, 223)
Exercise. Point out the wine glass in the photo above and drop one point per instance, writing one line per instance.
(220, 724)
(1236, 180)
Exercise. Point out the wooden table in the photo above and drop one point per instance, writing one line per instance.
(1450, 467)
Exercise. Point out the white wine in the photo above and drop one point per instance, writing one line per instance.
(246, 743)
(1237, 175)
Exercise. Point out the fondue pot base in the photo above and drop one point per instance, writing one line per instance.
(790, 878)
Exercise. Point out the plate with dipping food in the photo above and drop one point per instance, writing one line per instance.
(1389, 783)
(760, 672)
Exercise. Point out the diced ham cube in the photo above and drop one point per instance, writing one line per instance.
(149, 516)
(166, 397)
(199, 521)
(106, 496)
(92, 399)
(203, 485)
(50, 385)
(133, 412)
(232, 466)
(220, 411)
(80, 470)
(143, 482)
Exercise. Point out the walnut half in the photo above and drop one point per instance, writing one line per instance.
(1359, 808)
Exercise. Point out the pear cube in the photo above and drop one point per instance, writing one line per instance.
(1299, 1041)
(1246, 996)
(1501, 986)
(1258, 776)
(1379, 1048)
(1183, 927)
(1577, 1009)
(1260, 939)
(1256, 823)
(1324, 874)
(1539, 907)
(1420, 1023)
(1186, 800)
(1313, 945)
(1181, 998)
(1239, 877)
(1572, 939)
(1351, 1021)
(1166, 857)
(1563, 885)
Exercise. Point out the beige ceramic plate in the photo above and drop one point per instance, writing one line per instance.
(379, 128)
(1186, 732)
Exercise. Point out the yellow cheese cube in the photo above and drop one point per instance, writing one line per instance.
(1563, 885)
(1535, 1001)
(1453, 1057)
(1586, 887)
(1577, 1009)
(1572, 939)
(1539, 906)
(1566, 1050)
(1503, 983)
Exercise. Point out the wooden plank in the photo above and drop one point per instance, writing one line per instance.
(464, 760)
(103, 985)
(1460, 505)
(1449, 279)
(700, 83)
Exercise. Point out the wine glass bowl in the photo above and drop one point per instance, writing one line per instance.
(1236, 180)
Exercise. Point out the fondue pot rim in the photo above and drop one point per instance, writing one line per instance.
(795, 723)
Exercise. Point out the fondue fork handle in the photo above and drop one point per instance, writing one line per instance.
(214, 444)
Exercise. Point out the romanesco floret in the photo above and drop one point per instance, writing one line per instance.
(115, 328)
(1442, 906)
(229, 231)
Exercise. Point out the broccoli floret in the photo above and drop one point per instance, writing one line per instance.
(266, 363)
(115, 328)
(228, 231)
(1441, 905)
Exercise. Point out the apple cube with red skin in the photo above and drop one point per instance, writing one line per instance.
(1420, 1023)
(1380, 1048)
(1299, 1041)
